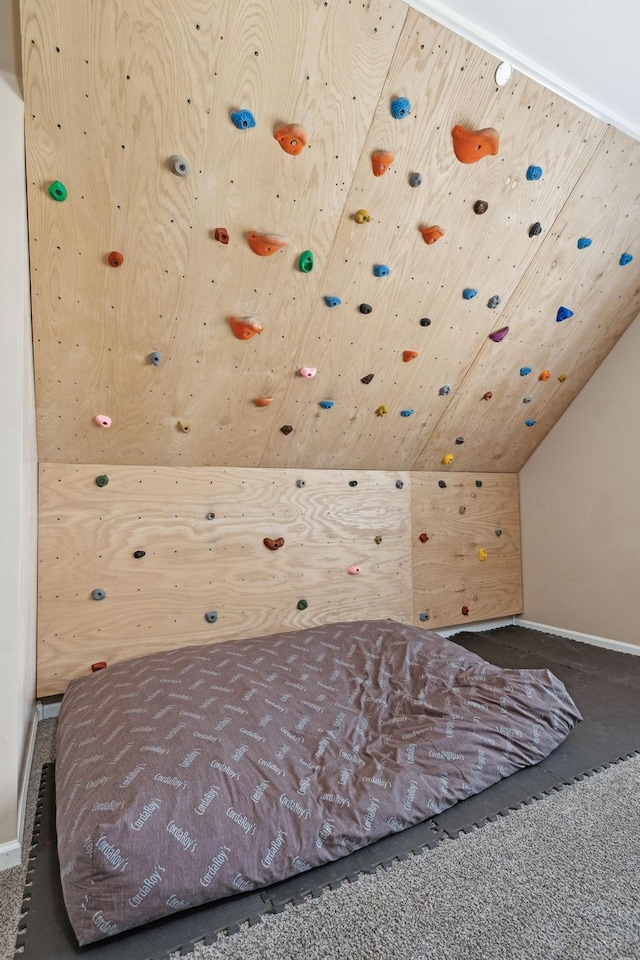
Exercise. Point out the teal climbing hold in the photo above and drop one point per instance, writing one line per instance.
(469, 293)
(534, 173)
(306, 261)
(58, 191)
(400, 108)
(525, 371)
(332, 301)
(407, 413)
(531, 423)
(102, 480)
(327, 404)
(243, 119)
(302, 604)
(478, 483)
(625, 259)
(381, 270)
(563, 314)
(584, 242)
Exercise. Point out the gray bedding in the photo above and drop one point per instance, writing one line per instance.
(197, 773)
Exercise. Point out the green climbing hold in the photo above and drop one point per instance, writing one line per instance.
(305, 263)
(102, 480)
(302, 604)
(58, 191)
(478, 483)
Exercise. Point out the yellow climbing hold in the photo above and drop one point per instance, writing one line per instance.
(362, 216)
(482, 554)
(382, 409)
(447, 459)
(563, 377)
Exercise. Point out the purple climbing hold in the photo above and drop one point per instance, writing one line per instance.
(563, 314)
(499, 335)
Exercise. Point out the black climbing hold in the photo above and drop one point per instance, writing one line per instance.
(527, 399)
(399, 484)
(102, 480)
(286, 429)
(478, 483)
(180, 165)
(498, 533)
(301, 483)
(459, 440)
(442, 484)
(211, 616)
(155, 358)
(353, 483)
(535, 229)
(493, 302)
(480, 206)
(138, 554)
(377, 539)
(425, 322)
(98, 593)
(425, 616)
(367, 379)
(211, 516)
(302, 604)
(415, 179)
(365, 308)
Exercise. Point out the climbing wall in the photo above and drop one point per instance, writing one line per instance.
(133, 295)
(138, 559)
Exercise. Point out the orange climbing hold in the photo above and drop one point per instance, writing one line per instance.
(408, 355)
(431, 234)
(245, 327)
(115, 259)
(470, 146)
(292, 138)
(221, 234)
(263, 401)
(273, 544)
(381, 160)
(266, 244)
(100, 665)
(545, 375)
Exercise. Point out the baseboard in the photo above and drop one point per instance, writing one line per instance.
(476, 627)
(618, 645)
(46, 711)
(11, 851)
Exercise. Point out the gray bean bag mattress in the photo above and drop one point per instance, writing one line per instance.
(190, 775)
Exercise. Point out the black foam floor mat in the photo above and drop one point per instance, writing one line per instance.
(604, 684)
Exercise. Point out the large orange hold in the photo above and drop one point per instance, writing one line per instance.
(431, 234)
(245, 327)
(266, 244)
(292, 138)
(381, 160)
(408, 355)
(472, 145)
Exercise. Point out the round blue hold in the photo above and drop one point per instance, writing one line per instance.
(327, 404)
(534, 173)
(243, 119)
(425, 616)
(563, 314)
(525, 371)
(332, 301)
(407, 413)
(400, 108)
(469, 293)
(584, 242)
(625, 259)
(531, 423)
(381, 270)
(211, 616)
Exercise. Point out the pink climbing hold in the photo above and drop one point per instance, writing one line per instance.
(103, 421)
(307, 372)
(354, 570)
(499, 335)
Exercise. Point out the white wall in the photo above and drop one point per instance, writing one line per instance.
(18, 462)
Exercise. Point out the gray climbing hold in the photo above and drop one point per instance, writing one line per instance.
(180, 165)
(415, 179)
(400, 108)
(498, 533)
(535, 229)
(155, 358)
(527, 399)
(98, 593)
(243, 119)
(211, 516)
(425, 616)
(301, 483)
(445, 391)
(211, 616)
(459, 440)
(493, 302)
(399, 484)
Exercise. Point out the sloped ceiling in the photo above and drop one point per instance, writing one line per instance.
(114, 89)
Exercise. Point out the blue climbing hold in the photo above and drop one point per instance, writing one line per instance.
(563, 314)
(211, 616)
(400, 108)
(584, 242)
(243, 119)
(327, 404)
(445, 391)
(425, 616)
(381, 270)
(525, 371)
(534, 173)
(332, 301)
(531, 423)
(469, 293)
(407, 413)
(625, 259)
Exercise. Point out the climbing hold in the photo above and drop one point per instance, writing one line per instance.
(382, 409)
(407, 413)
(266, 244)
(301, 483)
(431, 234)
(423, 538)
(534, 173)
(563, 314)
(245, 327)
(470, 146)
(243, 119)
(362, 216)
(525, 371)
(493, 302)
(184, 426)
(487, 395)
(58, 191)
(354, 570)
(625, 259)
(499, 335)
(563, 377)
(415, 179)
(100, 665)
(527, 399)
(103, 421)
(478, 483)
(102, 480)
(292, 138)
(155, 358)
(139, 554)
(308, 372)
(332, 301)
(305, 263)
(445, 390)
(365, 308)
(400, 108)
(424, 616)
(530, 423)
(442, 484)
(210, 516)
(425, 322)
(263, 401)
(327, 404)
(545, 375)
(465, 611)
(273, 544)
(211, 616)
(482, 554)
(535, 229)
(98, 593)
(459, 440)
(302, 604)
(462, 511)
(408, 355)
(353, 483)
(448, 459)
(480, 206)
(180, 165)
(115, 259)
(286, 429)
(377, 539)
(584, 242)
(381, 160)
(469, 293)
(367, 379)
(498, 533)
(221, 234)
(399, 484)
(381, 270)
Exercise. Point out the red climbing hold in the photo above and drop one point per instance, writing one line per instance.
(381, 160)
(470, 146)
(245, 327)
(408, 355)
(273, 544)
(431, 234)
(101, 665)
(221, 235)
(487, 395)
(423, 538)
(266, 244)
(115, 259)
(465, 611)
(263, 401)
(292, 138)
